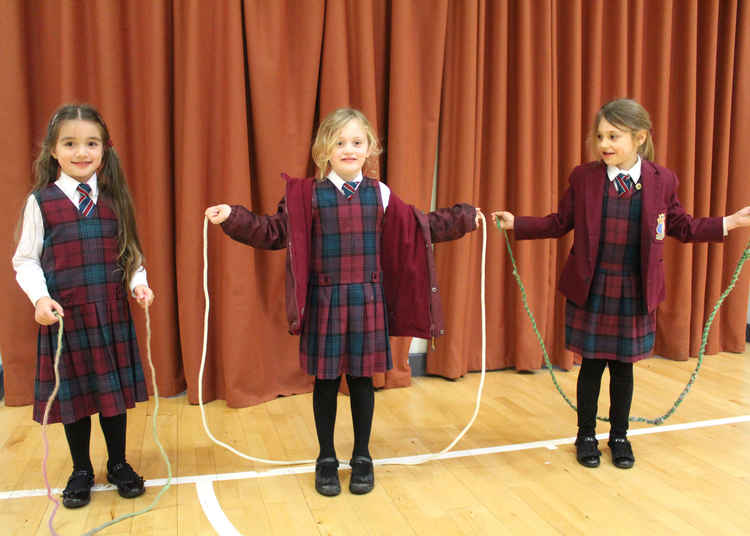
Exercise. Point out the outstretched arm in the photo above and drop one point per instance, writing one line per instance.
(452, 223)
(264, 232)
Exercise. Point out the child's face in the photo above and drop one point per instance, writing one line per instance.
(618, 147)
(351, 150)
(79, 148)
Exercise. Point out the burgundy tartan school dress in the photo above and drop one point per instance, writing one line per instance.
(614, 323)
(345, 330)
(100, 367)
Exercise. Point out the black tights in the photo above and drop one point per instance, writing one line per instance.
(79, 436)
(362, 398)
(620, 395)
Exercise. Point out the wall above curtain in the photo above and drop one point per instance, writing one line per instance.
(209, 102)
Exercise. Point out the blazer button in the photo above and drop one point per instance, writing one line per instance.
(434, 290)
(442, 332)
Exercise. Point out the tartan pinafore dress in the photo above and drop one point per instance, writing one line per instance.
(100, 366)
(346, 330)
(614, 323)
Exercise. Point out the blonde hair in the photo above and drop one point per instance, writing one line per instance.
(625, 114)
(328, 134)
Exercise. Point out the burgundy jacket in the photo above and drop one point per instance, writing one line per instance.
(581, 209)
(409, 277)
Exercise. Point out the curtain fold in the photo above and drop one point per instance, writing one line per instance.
(210, 102)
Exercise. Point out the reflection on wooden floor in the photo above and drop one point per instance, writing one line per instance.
(688, 481)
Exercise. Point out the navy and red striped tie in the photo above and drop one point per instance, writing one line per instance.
(349, 188)
(623, 184)
(85, 203)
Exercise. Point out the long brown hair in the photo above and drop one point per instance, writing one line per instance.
(110, 181)
(328, 133)
(629, 115)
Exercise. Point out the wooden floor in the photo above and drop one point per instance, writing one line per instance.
(691, 480)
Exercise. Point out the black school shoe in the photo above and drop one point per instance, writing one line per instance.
(363, 478)
(622, 452)
(77, 492)
(129, 483)
(587, 451)
(327, 477)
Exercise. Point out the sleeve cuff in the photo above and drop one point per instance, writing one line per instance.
(139, 278)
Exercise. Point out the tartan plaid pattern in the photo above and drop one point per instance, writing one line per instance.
(613, 323)
(345, 329)
(100, 367)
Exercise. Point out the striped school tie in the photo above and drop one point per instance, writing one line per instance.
(85, 203)
(349, 188)
(623, 184)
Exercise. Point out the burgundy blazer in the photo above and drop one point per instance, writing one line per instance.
(409, 277)
(580, 208)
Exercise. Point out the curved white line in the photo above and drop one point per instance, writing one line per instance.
(213, 510)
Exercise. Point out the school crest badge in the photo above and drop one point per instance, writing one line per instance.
(660, 226)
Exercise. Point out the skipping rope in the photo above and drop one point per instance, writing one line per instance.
(51, 399)
(704, 340)
(416, 460)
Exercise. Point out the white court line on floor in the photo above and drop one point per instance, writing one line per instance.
(551, 444)
(211, 507)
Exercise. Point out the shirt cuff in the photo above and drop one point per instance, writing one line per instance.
(724, 225)
(139, 278)
(35, 297)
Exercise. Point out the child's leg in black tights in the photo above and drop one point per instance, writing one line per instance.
(620, 397)
(362, 394)
(325, 395)
(587, 394)
(114, 429)
(78, 434)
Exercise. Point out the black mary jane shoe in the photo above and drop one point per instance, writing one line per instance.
(622, 452)
(363, 478)
(77, 492)
(129, 483)
(327, 477)
(587, 451)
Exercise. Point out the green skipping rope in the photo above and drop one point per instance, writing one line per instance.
(704, 340)
(156, 435)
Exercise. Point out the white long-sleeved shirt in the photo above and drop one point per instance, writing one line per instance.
(26, 260)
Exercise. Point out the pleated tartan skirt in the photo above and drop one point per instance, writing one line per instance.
(100, 366)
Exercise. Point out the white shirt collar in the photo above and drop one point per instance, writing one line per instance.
(338, 182)
(634, 172)
(68, 185)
